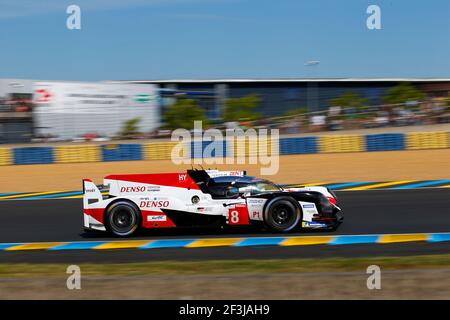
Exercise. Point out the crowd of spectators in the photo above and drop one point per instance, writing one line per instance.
(430, 111)
(433, 111)
(336, 118)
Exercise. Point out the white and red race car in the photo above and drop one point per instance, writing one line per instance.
(204, 198)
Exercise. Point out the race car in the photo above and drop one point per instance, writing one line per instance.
(197, 198)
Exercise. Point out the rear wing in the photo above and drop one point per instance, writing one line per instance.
(91, 193)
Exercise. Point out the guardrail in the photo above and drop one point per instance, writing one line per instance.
(162, 150)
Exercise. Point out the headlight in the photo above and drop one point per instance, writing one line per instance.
(332, 193)
(326, 205)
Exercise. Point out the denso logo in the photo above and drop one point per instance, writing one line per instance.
(133, 189)
(154, 204)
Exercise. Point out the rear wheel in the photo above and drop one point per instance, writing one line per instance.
(282, 214)
(122, 218)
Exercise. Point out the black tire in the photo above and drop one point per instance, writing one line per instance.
(122, 218)
(282, 214)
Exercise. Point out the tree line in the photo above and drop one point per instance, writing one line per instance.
(184, 111)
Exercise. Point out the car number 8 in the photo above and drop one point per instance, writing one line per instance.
(234, 217)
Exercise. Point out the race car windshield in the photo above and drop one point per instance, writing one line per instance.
(263, 186)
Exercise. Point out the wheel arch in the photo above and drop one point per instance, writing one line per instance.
(274, 197)
(285, 197)
(105, 211)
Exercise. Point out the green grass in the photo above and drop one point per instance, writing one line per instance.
(229, 266)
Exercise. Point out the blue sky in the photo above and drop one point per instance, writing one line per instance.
(166, 39)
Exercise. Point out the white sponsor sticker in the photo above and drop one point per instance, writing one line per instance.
(157, 218)
(255, 208)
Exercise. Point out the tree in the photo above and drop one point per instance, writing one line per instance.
(183, 113)
(402, 93)
(349, 99)
(238, 109)
(130, 127)
(295, 112)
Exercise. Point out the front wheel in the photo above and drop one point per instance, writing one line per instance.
(282, 214)
(122, 218)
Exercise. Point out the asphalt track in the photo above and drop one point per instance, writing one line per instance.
(366, 212)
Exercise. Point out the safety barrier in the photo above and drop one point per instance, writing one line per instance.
(121, 152)
(163, 150)
(385, 142)
(77, 153)
(159, 150)
(5, 156)
(298, 145)
(33, 155)
(427, 140)
(341, 143)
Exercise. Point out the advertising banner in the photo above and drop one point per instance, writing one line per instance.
(66, 110)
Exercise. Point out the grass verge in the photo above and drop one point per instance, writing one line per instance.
(8, 270)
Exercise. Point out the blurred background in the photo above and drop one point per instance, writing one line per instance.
(50, 111)
(138, 69)
(363, 111)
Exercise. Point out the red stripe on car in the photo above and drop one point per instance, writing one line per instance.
(97, 214)
(179, 180)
